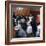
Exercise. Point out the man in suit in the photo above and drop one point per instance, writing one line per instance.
(38, 25)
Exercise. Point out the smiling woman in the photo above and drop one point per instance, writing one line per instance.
(24, 22)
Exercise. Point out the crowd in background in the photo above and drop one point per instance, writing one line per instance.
(26, 25)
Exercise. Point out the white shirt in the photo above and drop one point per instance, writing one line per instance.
(38, 31)
(29, 29)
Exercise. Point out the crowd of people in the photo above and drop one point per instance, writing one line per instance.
(27, 26)
(25, 23)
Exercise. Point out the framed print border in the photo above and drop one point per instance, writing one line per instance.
(7, 18)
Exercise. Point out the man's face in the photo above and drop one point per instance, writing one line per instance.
(38, 19)
(23, 20)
